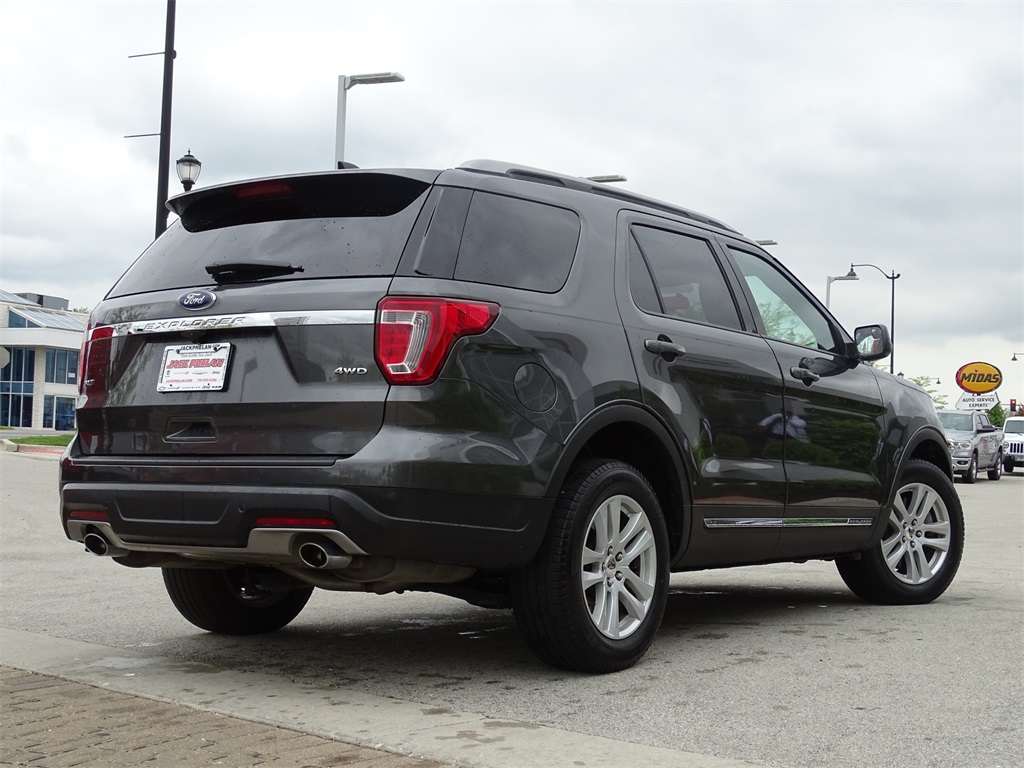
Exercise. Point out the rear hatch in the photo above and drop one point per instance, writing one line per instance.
(247, 329)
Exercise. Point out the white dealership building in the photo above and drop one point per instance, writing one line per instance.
(39, 345)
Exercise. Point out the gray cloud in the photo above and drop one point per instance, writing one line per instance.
(887, 133)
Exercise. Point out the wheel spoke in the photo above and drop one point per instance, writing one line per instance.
(639, 547)
(635, 608)
(638, 586)
(898, 514)
(896, 555)
(601, 526)
(938, 545)
(918, 567)
(606, 611)
(939, 530)
(592, 557)
(922, 500)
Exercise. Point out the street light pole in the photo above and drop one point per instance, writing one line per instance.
(344, 83)
(164, 164)
(892, 277)
(851, 275)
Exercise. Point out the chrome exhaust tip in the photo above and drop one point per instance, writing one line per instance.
(323, 556)
(98, 545)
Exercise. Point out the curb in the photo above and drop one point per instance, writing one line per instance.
(47, 450)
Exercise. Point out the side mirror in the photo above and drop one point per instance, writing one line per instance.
(872, 342)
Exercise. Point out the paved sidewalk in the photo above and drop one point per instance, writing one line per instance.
(48, 722)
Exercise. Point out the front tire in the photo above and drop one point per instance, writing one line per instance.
(920, 547)
(231, 602)
(593, 597)
(972, 471)
(997, 470)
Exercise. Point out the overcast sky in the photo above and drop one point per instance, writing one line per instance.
(850, 132)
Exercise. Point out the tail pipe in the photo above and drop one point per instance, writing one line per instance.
(323, 555)
(97, 544)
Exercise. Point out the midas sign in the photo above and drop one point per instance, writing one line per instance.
(978, 378)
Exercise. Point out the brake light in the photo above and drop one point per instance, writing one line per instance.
(294, 522)
(94, 357)
(414, 335)
(264, 190)
(88, 514)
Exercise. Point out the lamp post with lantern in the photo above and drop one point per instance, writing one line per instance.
(188, 170)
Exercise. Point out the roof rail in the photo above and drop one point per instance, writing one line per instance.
(528, 173)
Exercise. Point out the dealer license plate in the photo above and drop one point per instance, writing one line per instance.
(194, 367)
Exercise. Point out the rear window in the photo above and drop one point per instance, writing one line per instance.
(350, 225)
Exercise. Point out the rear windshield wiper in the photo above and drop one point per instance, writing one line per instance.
(243, 271)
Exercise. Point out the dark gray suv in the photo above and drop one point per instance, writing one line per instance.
(514, 387)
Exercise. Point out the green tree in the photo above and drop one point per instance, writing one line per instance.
(997, 415)
(925, 382)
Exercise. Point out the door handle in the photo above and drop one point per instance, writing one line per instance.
(669, 350)
(804, 375)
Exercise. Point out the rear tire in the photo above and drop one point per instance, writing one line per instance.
(594, 595)
(229, 602)
(921, 545)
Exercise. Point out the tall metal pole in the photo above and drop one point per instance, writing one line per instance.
(892, 321)
(164, 167)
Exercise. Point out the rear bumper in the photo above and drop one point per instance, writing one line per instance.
(222, 522)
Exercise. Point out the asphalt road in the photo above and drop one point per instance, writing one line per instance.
(773, 665)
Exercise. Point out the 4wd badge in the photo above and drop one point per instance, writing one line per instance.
(195, 300)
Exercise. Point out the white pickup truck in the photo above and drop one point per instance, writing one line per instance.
(974, 442)
(1013, 443)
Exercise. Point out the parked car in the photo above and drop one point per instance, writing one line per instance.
(1013, 443)
(976, 444)
(499, 383)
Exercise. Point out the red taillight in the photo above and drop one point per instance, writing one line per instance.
(414, 335)
(94, 357)
(294, 522)
(87, 514)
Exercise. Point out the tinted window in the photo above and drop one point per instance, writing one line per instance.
(786, 313)
(690, 283)
(517, 243)
(354, 226)
(641, 284)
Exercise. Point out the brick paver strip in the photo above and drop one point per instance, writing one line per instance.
(46, 722)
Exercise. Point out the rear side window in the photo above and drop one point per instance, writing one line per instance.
(688, 281)
(517, 243)
(351, 225)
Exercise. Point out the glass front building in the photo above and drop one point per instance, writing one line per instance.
(39, 350)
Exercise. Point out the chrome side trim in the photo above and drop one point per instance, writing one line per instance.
(247, 320)
(786, 522)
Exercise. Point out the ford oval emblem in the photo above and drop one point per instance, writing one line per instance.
(195, 300)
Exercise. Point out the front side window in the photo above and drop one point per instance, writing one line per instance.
(689, 283)
(786, 313)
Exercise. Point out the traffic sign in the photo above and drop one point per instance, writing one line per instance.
(973, 402)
